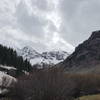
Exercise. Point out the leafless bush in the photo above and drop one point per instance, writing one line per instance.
(45, 85)
(54, 84)
(86, 84)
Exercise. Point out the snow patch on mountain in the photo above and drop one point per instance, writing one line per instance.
(49, 57)
(5, 79)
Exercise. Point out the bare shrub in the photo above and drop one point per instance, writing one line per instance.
(54, 84)
(86, 84)
(45, 85)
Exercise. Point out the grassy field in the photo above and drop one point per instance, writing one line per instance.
(93, 97)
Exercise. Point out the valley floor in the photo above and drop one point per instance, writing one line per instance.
(91, 97)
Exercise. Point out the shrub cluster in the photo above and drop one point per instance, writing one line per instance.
(54, 84)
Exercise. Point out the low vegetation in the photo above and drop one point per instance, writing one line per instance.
(54, 84)
(44, 85)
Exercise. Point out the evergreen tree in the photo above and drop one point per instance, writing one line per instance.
(9, 57)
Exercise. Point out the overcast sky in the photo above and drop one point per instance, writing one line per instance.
(49, 24)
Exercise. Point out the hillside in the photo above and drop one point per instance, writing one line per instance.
(86, 57)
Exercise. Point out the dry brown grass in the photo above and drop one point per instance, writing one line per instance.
(91, 97)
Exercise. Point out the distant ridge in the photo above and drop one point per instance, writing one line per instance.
(48, 58)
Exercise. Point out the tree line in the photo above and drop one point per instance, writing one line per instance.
(9, 57)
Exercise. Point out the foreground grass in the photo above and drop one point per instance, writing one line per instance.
(93, 97)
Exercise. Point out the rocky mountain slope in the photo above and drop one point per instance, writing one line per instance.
(50, 57)
(86, 57)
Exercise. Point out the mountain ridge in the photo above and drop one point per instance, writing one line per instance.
(86, 57)
(47, 57)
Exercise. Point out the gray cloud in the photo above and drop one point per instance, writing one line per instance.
(48, 24)
(80, 18)
(30, 24)
(42, 5)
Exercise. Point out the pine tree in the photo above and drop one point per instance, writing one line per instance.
(9, 57)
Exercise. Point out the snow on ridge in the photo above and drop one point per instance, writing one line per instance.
(47, 57)
(6, 81)
(7, 67)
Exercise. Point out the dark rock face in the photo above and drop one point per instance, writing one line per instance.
(95, 35)
(86, 54)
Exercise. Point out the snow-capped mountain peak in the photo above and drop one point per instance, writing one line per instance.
(49, 57)
(59, 55)
(28, 53)
(29, 50)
